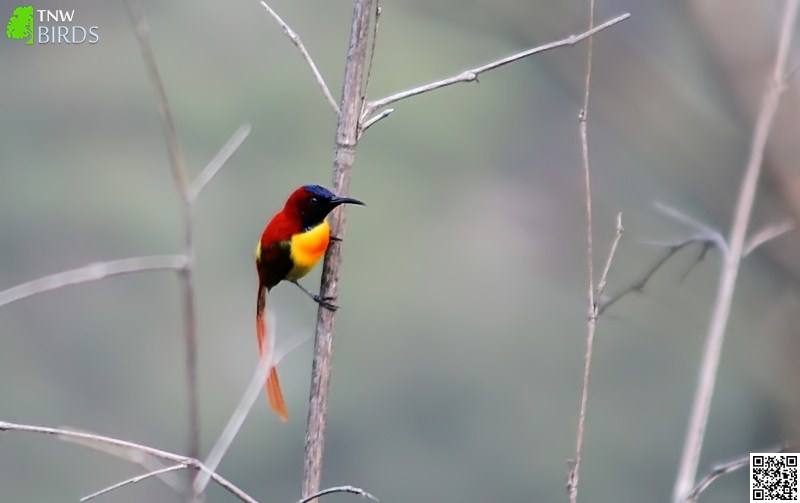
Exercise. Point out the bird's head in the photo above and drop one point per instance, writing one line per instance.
(313, 203)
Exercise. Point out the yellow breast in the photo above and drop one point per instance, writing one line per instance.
(307, 248)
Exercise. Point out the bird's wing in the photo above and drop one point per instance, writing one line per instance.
(274, 263)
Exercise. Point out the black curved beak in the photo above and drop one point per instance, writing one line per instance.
(336, 201)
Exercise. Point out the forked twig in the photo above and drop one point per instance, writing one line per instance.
(306, 56)
(707, 237)
(638, 284)
(353, 120)
(87, 439)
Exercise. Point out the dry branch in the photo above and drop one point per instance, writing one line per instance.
(716, 332)
(601, 285)
(295, 38)
(231, 429)
(344, 155)
(702, 228)
(353, 120)
(178, 165)
(375, 25)
(134, 480)
(340, 489)
(573, 475)
(721, 469)
(472, 74)
(92, 272)
(249, 397)
(639, 283)
(87, 439)
(219, 160)
(766, 234)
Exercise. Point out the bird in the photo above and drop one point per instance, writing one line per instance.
(292, 243)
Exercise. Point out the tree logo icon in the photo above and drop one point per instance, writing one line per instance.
(20, 24)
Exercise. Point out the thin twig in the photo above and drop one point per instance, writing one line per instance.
(236, 420)
(601, 286)
(364, 125)
(87, 439)
(472, 75)
(727, 283)
(146, 462)
(765, 235)
(375, 118)
(344, 156)
(134, 480)
(375, 24)
(219, 160)
(302, 48)
(178, 166)
(638, 284)
(92, 272)
(705, 229)
(340, 489)
(722, 468)
(573, 476)
(142, 30)
(251, 394)
(717, 471)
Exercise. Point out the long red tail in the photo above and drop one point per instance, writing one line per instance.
(274, 393)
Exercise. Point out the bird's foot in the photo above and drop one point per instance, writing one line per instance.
(322, 301)
(326, 302)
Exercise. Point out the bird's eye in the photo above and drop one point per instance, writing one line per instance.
(313, 200)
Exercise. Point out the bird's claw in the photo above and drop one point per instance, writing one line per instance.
(325, 302)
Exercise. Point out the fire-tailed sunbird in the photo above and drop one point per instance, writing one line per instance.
(290, 246)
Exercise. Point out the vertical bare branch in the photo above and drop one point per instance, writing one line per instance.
(182, 181)
(575, 464)
(732, 259)
(345, 149)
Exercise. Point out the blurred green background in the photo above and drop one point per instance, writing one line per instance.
(459, 345)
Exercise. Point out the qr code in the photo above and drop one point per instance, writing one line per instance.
(773, 477)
